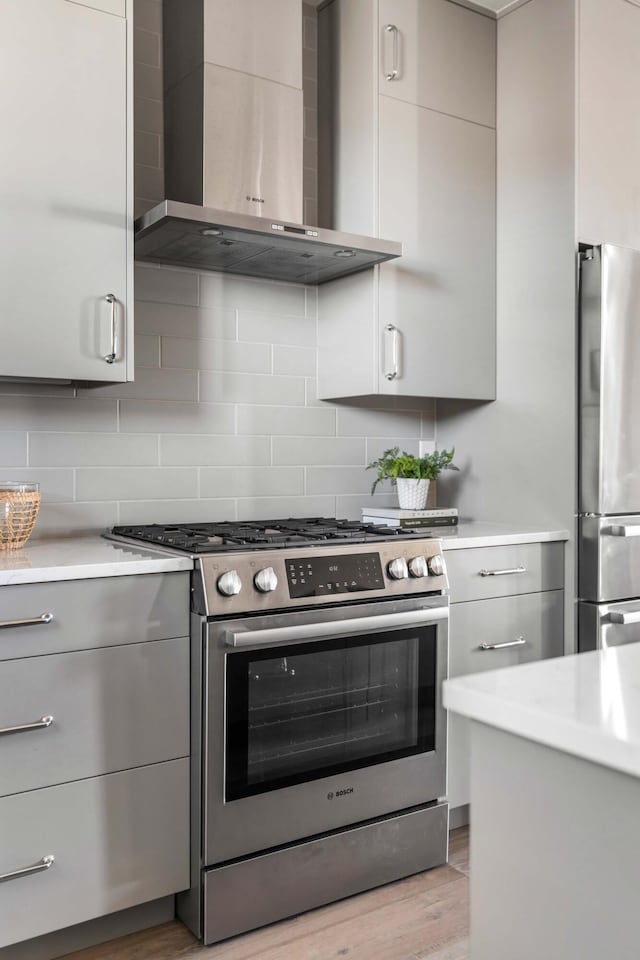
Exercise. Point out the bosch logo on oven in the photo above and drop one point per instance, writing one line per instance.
(339, 793)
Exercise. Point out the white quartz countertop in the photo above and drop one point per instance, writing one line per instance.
(473, 533)
(81, 558)
(587, 705)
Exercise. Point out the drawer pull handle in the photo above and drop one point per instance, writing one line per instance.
(40, 724)
(502, 573)
(38, 867)
(624, 618)
(520, 642)
(30, 622)
(623, 530)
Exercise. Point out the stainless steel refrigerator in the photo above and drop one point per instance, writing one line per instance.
(609, 453)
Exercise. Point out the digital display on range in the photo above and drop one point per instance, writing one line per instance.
(327, 576)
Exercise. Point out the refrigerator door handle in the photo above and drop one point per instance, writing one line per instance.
(623, 530)
(624, 619)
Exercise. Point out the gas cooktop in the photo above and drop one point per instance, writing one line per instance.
(224, 537)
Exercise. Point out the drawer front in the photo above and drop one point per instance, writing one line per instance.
(483, 572)
(536, 618)
(117, 841)
(107, 611)
(112, 709)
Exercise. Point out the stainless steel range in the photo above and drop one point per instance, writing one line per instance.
(318, 735)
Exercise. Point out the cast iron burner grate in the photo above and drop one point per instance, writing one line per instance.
(223, 537)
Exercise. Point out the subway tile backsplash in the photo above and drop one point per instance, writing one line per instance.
(219, 427)
(222, 421)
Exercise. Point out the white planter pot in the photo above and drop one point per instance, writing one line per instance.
(412, 494)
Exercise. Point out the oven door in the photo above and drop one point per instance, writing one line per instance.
(321, 719)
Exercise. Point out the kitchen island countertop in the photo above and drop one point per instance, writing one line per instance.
(587, 705)
(82, 558)
(555, 793)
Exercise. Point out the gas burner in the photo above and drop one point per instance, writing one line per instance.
(229, 536)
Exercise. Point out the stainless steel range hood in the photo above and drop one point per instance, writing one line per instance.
(184, 234)
(234, 151)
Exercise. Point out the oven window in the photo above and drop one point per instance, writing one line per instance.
(297, 713)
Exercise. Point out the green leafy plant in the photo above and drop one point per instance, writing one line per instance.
(393, 464)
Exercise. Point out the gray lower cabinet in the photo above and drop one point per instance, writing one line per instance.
(82, 614)
(116, 841)
(507, 608)
(108, 710)
(94, 749)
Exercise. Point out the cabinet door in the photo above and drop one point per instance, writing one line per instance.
(535, 618)
(112, 709)
(116, 841)
(85, 614)
(608, 151)
(437, 195)
(63, 200)
(262, 39)
(444, 55)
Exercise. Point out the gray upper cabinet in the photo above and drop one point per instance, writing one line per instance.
(439, 296)
(608, 134)
(65, 232)
(414, 161)
(435, 55)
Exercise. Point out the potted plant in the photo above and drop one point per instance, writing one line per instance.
(411, 474)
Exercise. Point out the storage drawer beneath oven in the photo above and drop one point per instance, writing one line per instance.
(533, 627)
(309, 874)
(117, 840)
(483, 572)
(112, 709)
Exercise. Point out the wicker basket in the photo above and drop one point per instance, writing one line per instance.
(19, 505)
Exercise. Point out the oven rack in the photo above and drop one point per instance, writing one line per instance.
(268, 724)
(314, 746)
(324, 694)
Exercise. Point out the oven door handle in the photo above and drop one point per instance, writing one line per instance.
(326, 630)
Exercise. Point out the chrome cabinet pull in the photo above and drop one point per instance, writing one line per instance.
(40, 724)
(617, 616)
(520, 642)
(394, 73)
(112, 357)
(502, 573)
(30, 622)
(38, 867)
(395, 352)
(623, 530)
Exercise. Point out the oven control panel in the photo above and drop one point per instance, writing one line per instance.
(282, 579)
(329, 576)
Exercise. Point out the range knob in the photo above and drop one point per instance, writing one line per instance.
(418, 567)
(266, 580)
(436, 566)
(229, 583)
(397, 569)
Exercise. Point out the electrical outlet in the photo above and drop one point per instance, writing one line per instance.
(425, 447)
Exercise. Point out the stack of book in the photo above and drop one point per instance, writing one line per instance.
(394, 517)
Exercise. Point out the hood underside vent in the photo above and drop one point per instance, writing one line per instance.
(188, 235)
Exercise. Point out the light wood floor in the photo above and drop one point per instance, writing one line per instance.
(423, 916)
